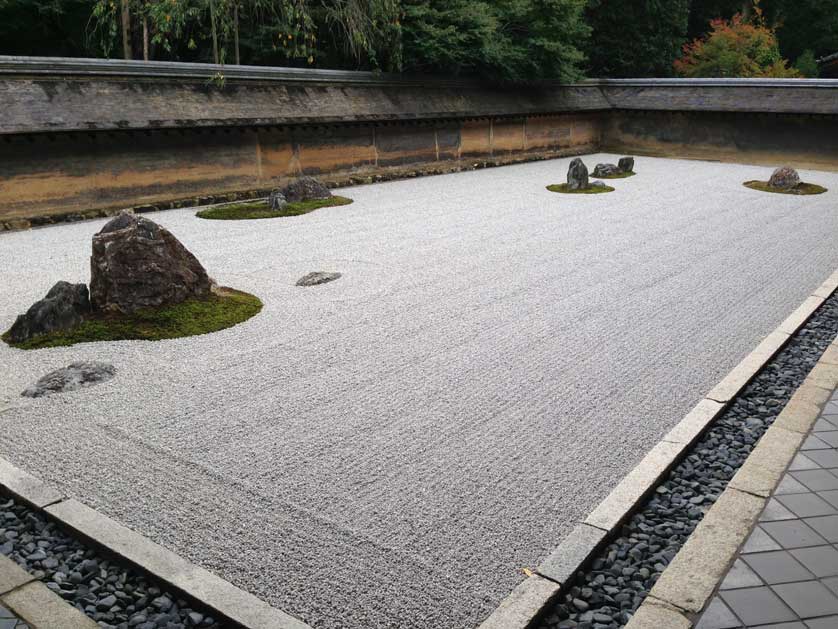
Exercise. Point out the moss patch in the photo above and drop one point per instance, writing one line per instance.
(618, 175)
(224, 309)
(800, 189)
(260, 209)
(562, 187)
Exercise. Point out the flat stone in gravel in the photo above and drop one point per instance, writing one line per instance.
(70, 378)
(317, 277)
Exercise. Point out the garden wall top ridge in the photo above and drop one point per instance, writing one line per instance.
(43, 94)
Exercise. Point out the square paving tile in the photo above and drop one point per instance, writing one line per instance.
(809, 599)
(817, 480)
(831, 583)
(759, 541)
(824, 458)
(830, 496)
(718, 616)
(793, 533)
(740, 576)
(790, 485)
(807, 505)
(820, 623)
(824, 425)
(814, 443)
(822, 561)
(802, 462)
(758, 606)
(777, 567)
(784, 625)
(774, 511)
(830, 437)
(826, 526)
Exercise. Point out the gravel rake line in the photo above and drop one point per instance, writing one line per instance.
(109, 592)
(620, 576)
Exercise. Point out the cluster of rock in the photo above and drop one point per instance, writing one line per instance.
(784, 178)
(623, 167)
(578, 179)
(301, 189)
(135, 264)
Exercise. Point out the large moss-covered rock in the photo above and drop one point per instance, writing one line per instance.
(138, 264)
(65, 306)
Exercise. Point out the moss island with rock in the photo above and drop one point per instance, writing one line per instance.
(785, 180)
(301, 196)
(145, 285)
(578, 181)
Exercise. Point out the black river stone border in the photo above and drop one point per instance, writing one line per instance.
(109, 591)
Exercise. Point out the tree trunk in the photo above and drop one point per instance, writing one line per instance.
(145, 37)
(127, 49)
(236, 32)
(214, 32)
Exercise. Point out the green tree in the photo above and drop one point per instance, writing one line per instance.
(640, 40)
(804, 25)
(55, 28)
(807, 65)
(512, 40)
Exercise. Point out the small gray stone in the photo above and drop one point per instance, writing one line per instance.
(598, 184)
(317, 277)
(606, 170)
(277, 200)
(74, 376)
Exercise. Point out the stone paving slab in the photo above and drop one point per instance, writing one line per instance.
(786, 574)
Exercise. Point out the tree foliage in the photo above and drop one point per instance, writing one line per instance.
(515, 39)
(636, 39)
(739, 47)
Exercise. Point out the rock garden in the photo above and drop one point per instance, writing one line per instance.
(785, 180)
(301, 196)
(144, 285)
(579, 182)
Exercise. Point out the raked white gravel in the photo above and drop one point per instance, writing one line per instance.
(390, 449)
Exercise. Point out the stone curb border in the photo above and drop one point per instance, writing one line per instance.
(35, 603)
(224, 599)
(690, 581)
(543, 585)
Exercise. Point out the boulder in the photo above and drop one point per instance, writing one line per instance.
(277, 200)
(606, 170)
(626, 164)
(138, 264)
(598, 184)
(317, 277)
(305, 189)
(577, 175)
(784, 178)
(74, 376)
(64, 307)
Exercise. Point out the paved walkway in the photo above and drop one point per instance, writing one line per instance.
(9, 621)
(786, 575)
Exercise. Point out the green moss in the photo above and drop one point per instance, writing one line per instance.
(620, 175)
(260, 209)
(221, 310)
(562, 187)
(800, 189)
